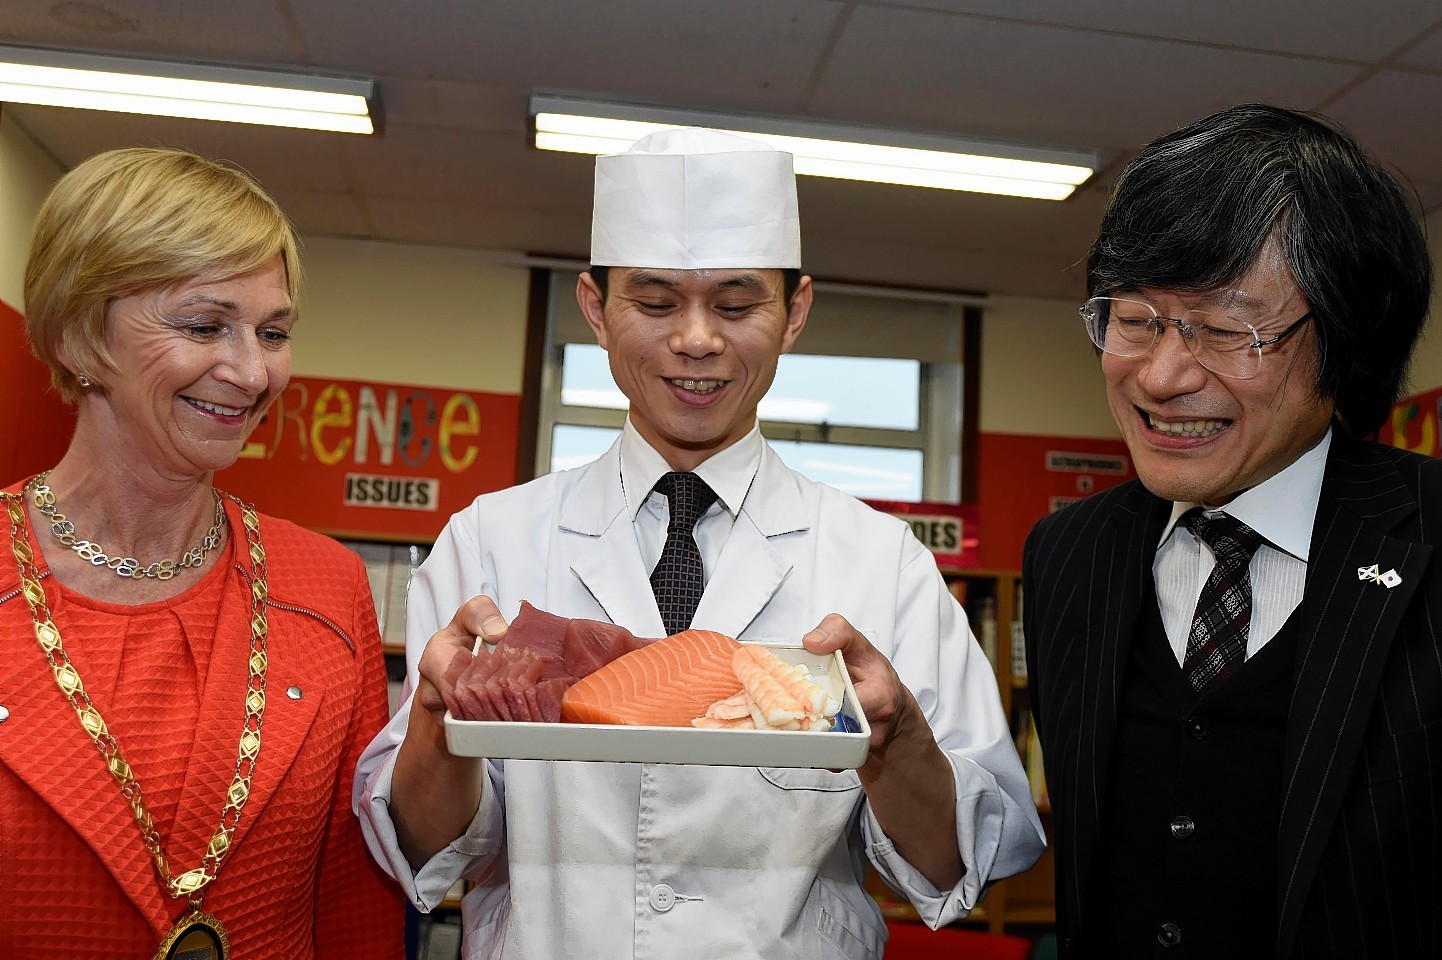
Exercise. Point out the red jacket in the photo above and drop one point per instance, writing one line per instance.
(75, 879)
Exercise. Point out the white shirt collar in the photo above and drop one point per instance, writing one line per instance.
(729, 472)
(1281, 508)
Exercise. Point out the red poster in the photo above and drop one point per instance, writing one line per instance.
(1022, 478)
(376, 460)
(37, 424)
(1413, 425)
(948, 530)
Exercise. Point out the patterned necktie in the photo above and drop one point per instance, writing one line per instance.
(1217, 644)
(677, 580)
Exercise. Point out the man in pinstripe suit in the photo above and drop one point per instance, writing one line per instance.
(1258, 283)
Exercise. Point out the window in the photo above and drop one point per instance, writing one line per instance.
(870, 402)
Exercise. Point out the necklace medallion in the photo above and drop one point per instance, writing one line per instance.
(195, 936)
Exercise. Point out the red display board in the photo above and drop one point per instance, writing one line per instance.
(1414, 424)
(948, 530)
(36, 423)
(376, 460)
(1022, 478)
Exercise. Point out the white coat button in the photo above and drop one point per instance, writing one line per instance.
(294, 693)
(4, 713)
(663, 898)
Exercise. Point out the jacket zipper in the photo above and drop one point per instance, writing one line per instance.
(19, 590)
(304, 611)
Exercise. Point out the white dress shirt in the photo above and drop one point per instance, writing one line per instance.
(728, 473)
(1282, 509)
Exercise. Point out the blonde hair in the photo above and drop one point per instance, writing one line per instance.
(139, 219)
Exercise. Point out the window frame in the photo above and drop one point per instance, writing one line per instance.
(943, 418)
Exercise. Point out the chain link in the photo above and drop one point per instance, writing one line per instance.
(64, 531)
(190, 883)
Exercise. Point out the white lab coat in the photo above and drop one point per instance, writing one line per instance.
(658, 861)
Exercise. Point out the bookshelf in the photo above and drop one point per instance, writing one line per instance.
(389, 567)
(993, 602)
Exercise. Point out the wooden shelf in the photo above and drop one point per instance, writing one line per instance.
(453, 898)
(1027, 899)
(1041, 914)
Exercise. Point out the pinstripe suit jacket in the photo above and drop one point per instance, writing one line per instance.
(1359, 859)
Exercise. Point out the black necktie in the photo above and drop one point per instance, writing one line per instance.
(678, 578)
(1217, 644)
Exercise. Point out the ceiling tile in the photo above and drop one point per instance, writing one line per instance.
(470, 167)
(277, 157)
(323, 214)
(461, 106)
(1047, 85)
(494, 228)
(1394, 115)
(453, 166)
(753, 54)
(1341, 29)
(245, 32)
(1427, 54)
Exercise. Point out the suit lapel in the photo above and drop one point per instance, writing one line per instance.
(1346, 628)
(603, 551)
(751, 570)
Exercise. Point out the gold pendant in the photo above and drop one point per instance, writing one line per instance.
(195, 936)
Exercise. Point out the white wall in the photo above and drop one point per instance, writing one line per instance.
(1427, 361)
(26, 173)
(434, 316)
(1039, 375)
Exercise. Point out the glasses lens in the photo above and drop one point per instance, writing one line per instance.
(1224, 345)
(1130, 328)
(1123, 328)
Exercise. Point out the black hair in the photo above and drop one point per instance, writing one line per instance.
(1192, 211)
(790, 280)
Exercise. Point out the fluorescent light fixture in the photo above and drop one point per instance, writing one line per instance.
(195, 91)
(577, 125)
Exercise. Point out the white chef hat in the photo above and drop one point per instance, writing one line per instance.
(691, 198)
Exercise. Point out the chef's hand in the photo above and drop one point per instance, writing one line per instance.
(435, 794)
(889, 707)
(907, 779)
(477, 617)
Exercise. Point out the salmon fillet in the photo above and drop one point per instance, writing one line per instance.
(664, 684)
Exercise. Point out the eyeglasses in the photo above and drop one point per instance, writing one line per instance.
(1224, 345)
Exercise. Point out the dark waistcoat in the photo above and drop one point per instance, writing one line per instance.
(1186, 864)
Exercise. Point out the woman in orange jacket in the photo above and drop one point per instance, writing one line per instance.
(186, 685)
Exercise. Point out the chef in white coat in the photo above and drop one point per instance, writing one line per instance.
(701, 294)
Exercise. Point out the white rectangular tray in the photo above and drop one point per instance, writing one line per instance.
(833, 750)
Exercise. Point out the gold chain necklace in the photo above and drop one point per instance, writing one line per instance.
(129, 567)
(193, 929)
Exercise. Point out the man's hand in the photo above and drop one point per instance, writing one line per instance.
(434, 794)
(477, 617)
(907, 779)
(888, 705)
